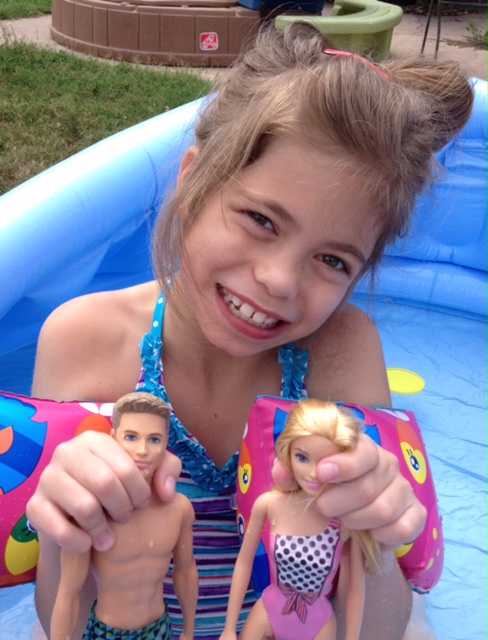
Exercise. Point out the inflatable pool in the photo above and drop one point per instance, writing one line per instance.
(84, 225)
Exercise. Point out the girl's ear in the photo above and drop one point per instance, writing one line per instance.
(187, 164)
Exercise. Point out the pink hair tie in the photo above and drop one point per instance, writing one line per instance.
(349, 54)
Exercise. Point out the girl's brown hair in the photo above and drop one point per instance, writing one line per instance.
(285, 85)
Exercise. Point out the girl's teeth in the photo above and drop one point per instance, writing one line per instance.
(246, 312)
(259, 317)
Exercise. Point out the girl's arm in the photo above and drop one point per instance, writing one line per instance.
(243, 568)
(356, 591)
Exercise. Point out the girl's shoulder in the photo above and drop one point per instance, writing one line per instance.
(346, 359)
(86, 337)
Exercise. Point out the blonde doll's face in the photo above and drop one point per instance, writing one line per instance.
(275, 252)
(305, 454)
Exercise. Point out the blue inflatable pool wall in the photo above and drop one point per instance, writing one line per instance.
(84, 225)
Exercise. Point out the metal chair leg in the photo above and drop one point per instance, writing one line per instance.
(439, 18)
(429, 16)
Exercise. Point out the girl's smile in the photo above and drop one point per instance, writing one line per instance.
(276, 251)
(246, 312)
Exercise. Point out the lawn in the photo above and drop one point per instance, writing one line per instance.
(53, 104)
(13, 9)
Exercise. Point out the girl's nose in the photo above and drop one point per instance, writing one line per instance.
(279, 274)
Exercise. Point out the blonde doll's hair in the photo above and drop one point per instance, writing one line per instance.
(284, 85)
(338, 425)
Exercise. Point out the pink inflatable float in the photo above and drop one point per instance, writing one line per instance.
(395, 430)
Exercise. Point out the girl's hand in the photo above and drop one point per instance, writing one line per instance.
(367, 491)
(89, 479)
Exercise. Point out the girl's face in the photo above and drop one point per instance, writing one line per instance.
(275, 252)
(305, 453)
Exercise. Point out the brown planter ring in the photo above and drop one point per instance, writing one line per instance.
(200, 33)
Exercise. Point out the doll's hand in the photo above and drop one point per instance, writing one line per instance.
(228, 635)
(368, 492)
(89, 477)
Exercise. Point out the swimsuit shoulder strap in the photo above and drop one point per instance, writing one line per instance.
(152, 353)
(158, 316)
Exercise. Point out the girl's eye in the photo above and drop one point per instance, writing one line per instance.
(155, 440)
(261, 220)
(300, 457)
(130, 438)
(335, 263)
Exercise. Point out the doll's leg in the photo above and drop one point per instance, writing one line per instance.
(387, 608)
(329, 631)
(257, 626)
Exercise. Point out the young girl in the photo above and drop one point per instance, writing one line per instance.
(307, 163)
(306, 546)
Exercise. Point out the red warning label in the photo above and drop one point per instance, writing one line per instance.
(209, 41)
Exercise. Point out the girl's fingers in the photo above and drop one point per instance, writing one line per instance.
(87, 481)
(352, 464)
(282, 476)
(373, 495)
(166, 476)
(68, 510)
(46, 517)
(350, 493)
(403, 530)
(105, 470)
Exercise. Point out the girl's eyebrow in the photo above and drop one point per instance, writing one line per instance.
(272, 205)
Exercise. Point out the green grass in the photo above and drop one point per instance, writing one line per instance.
(477, 36)
(54, 104)
(14, 9)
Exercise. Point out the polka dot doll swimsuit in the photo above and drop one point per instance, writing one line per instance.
(302, 571)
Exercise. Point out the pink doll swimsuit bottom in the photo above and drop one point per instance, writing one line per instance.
(295, 615)
(158, 630)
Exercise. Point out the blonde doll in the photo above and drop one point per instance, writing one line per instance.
(307, 547)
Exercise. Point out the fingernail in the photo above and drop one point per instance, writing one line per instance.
(328, 471)
(103, 541)
(125, 518)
